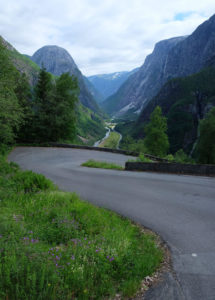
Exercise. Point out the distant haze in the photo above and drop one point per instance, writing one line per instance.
(102, 36)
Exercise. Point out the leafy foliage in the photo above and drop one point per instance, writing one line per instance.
(130, 144)
(10, 111)
(54, 107)
(156, 140)
(206, 142)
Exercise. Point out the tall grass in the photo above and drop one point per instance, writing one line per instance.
(55, 246)
(91, 163)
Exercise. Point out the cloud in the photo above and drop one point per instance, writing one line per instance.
(102, 36)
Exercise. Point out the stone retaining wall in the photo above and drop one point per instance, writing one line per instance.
(125, 152)
(174, 168)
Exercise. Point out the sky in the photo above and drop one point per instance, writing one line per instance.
(102, 36)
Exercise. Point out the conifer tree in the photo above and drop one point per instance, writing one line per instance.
(65, 99)
(43, 106)
(156, 140)
(54, 107)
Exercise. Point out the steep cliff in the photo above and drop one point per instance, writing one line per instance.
(142, 85)
(177, 57)
(184, 101)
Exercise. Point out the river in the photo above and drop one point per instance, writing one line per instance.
(96, 144)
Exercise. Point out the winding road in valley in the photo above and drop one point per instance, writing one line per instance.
(179, 208)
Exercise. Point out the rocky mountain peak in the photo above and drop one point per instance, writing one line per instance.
(55, 59)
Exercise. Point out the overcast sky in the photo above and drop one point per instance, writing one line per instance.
(103, 36)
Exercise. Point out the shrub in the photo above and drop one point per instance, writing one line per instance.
(30, 182)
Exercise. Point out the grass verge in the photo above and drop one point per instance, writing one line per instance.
(141, 158)
(102, 165)
(112, 141)
(55, 246)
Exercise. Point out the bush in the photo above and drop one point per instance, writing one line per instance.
(170, 158)
(181, 157)
(206, 143)
(30, 182)
(142, 158)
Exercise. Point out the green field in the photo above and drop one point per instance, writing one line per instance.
(112, 141)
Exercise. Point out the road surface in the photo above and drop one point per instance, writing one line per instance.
(179, 208)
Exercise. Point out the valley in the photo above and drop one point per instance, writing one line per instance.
(171, 77)
(164, 108)
(111, 139)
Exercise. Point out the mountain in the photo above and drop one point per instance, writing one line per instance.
(184, 101)
(176, 57)
(108, 84)
(142, 85)
(90, 126)
(94, 92)
(57, 60)
(21, 62)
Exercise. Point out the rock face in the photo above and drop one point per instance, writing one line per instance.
(57, 60)
(171, 58)
(108, 84)
(184, 101)
(143, 85)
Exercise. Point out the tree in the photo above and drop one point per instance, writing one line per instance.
(206, 142)
(65, 100)
(43, 106)
(156, 140)
(24, 96)
(11, 114)
(55, 107)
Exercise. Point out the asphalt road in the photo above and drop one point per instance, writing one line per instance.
(179, 208)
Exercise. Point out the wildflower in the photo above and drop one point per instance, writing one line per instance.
(73, 257)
